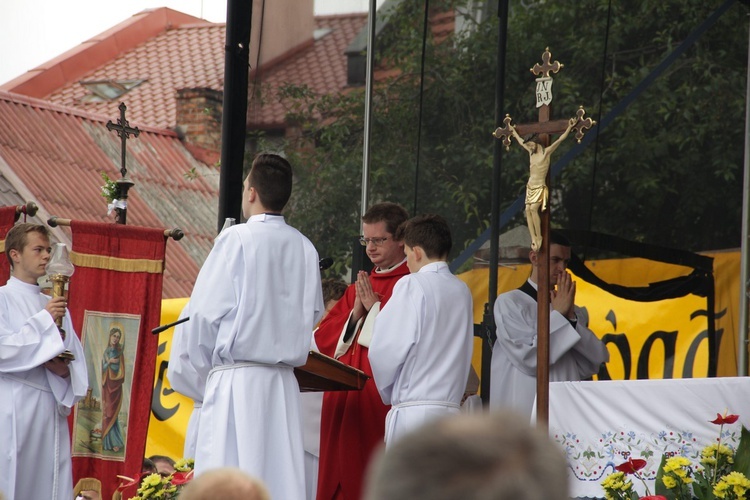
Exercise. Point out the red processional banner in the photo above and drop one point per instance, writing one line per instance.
(7, 221)
(115, 302)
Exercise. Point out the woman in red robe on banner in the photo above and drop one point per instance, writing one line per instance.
(113, 376)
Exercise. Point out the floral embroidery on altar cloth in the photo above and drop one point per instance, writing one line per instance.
(591, 459)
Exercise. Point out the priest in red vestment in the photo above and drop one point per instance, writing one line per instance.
(353, 422)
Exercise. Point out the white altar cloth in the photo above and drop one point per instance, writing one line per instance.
(600, 424)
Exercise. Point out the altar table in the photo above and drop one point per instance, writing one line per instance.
(600, 424)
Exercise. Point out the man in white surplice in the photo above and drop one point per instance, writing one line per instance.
(575, 352)
(421, 348)
(37, 389)
(254, 304)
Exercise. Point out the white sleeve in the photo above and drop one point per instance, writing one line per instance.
(214, 297)
(37, 342)
(396, 330)
(182, 375)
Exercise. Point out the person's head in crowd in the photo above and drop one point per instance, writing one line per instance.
(379, 225)
(148, 467)
(333, 290)
(268, 186)
(27, 248)
(426, 238)
(164, 465)
(88, 488)
(227, 484)
(559, 258)
(479, 456)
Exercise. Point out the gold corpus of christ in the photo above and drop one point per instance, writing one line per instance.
(534, 138)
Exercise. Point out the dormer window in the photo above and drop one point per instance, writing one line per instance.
(107, 90)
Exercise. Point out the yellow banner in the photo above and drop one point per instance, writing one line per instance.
(665, 339)
(170, 410)
(654, 339)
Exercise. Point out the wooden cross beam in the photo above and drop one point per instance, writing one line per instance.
(583, 123)
(539, 167)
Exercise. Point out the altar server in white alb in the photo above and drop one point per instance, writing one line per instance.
(422, 342)
(37, 389)
(189, 382)
(252, 311)
(575, 351)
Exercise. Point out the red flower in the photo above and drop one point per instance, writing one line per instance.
(179, 478)
(725, 419)
(632, 466)
(127, 482)
(654, 497)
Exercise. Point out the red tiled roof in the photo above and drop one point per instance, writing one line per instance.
(56, 154)
(53, 152)
(322, 67)
(192, 56)
(73, 64)
(186, 57)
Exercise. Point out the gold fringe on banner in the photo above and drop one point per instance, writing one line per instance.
(117, 264)
(2, 246)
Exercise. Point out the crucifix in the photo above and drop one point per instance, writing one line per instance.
(124, 130)
(537, 213)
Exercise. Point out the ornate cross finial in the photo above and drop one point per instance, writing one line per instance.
(582, 123)
(544, 68)
(124, 130)
(503, 133)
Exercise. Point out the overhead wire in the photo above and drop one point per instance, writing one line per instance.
(421, 102)
(592, 187)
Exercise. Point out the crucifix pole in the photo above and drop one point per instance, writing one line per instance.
(543, 100)
(124, 130)
(537, 212)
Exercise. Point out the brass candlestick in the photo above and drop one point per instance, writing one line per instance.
(60, 270)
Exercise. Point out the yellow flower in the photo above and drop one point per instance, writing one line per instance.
(184, 464)
(616, 486)
(151, 480)
(676, 470)
(709, 453)
(736, 481)
(676, 464)
(669, 482)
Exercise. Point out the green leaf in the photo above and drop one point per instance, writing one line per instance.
(742, 455)
(659, 487)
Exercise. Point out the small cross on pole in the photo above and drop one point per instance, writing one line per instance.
(539, 173)
(124, 130)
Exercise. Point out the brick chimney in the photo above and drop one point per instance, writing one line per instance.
(199, 122)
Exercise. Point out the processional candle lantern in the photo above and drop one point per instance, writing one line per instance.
(59, 269)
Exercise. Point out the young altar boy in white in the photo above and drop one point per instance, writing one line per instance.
(422, 342)
(255, 302)
(37, 388)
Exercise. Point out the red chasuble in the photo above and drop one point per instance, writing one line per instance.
(352, 422)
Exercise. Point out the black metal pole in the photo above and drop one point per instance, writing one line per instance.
(489, 320)
(234, 116)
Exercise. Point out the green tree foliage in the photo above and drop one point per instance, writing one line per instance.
(667, 171)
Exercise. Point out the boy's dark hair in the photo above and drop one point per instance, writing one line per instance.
(557, 238)
(392, 214)
(148, 466)
(429, 231)
(18, 237)
(271, 177)
(162, 458)
(333, 289)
